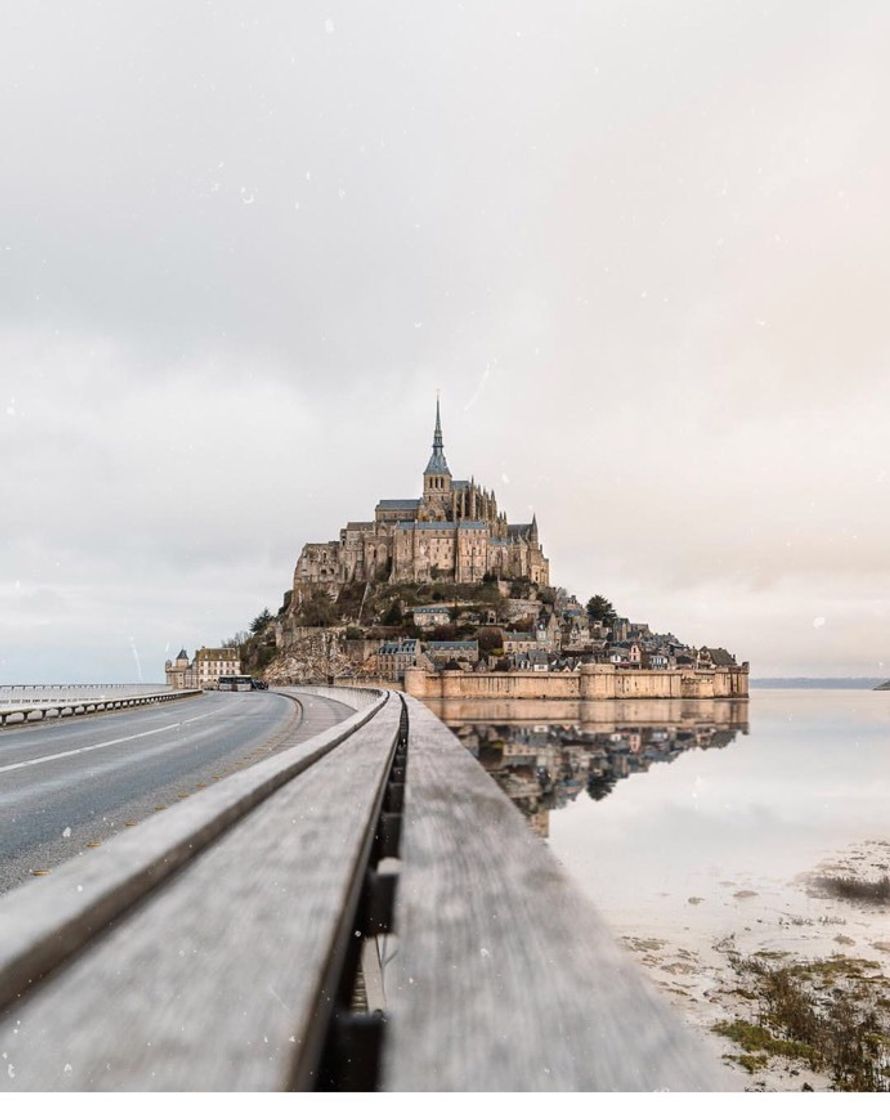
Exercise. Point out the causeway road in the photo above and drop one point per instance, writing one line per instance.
(70, 784)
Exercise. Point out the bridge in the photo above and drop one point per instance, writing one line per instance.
(22, 703)
(362, 909)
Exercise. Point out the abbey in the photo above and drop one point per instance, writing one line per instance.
(454, 532)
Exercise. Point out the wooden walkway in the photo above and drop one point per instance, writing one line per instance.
(234, 943)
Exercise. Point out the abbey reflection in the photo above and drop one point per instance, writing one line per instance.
(543, 767)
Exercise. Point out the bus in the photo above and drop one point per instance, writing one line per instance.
(235, 684)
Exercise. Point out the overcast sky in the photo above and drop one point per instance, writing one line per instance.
(642, 248)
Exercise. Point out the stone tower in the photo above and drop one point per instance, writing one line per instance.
(437, 476)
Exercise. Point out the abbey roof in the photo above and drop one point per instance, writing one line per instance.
(398, 503)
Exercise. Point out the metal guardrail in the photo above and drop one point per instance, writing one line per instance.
(54, 691)
(85, 705)
(241, 970)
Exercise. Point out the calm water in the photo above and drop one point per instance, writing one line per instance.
(650, 817)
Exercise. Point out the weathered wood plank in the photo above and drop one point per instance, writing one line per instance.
(506, 979)
(214, 981)
(44, 922)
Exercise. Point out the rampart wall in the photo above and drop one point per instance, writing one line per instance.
(592, 682)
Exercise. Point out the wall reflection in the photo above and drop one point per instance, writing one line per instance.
(544, 755)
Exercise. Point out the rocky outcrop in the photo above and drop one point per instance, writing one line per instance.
(318, 655)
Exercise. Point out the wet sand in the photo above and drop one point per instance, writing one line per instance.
(690, 958)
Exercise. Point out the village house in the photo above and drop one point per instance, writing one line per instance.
(178, 672)
(394, 657)
(206, 669)
(715, 658)
(442, 653)
(547, 630)
(537, 660)
(211, 664)
(620, 629)
(519, 641)
(426, 618)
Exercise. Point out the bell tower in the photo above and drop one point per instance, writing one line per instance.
(437, 476)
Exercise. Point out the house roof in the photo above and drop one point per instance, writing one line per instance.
(444, 646)
(404, 645)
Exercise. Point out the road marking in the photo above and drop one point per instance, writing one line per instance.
(84, 750)
(195, 719)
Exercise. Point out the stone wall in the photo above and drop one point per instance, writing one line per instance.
(592, 682)
(357, 697)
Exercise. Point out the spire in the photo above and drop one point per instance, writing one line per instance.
(437, 463)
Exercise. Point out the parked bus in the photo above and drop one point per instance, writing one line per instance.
(235, 684)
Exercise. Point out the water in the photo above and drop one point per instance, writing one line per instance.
(39, 693)
(715, 801)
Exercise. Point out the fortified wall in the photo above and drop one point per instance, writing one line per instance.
(592, 682)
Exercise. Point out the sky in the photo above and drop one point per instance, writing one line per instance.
(642, 249)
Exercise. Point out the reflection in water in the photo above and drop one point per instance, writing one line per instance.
(543, 765)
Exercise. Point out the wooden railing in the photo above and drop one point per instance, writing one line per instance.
(373, 866)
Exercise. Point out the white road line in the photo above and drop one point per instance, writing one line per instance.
(195, 719)
(94, 747)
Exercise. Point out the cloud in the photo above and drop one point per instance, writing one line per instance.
(646, 246)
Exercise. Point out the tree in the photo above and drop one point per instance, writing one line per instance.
(490, 639)
(600, 786)
(261, 621)
(394, 616)
(599, 609)
(445, 634)
(318, 611)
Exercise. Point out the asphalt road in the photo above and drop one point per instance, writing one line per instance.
(70, 785)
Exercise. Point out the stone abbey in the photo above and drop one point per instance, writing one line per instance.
(453, 533)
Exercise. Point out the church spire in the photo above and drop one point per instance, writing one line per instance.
(437, 463)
